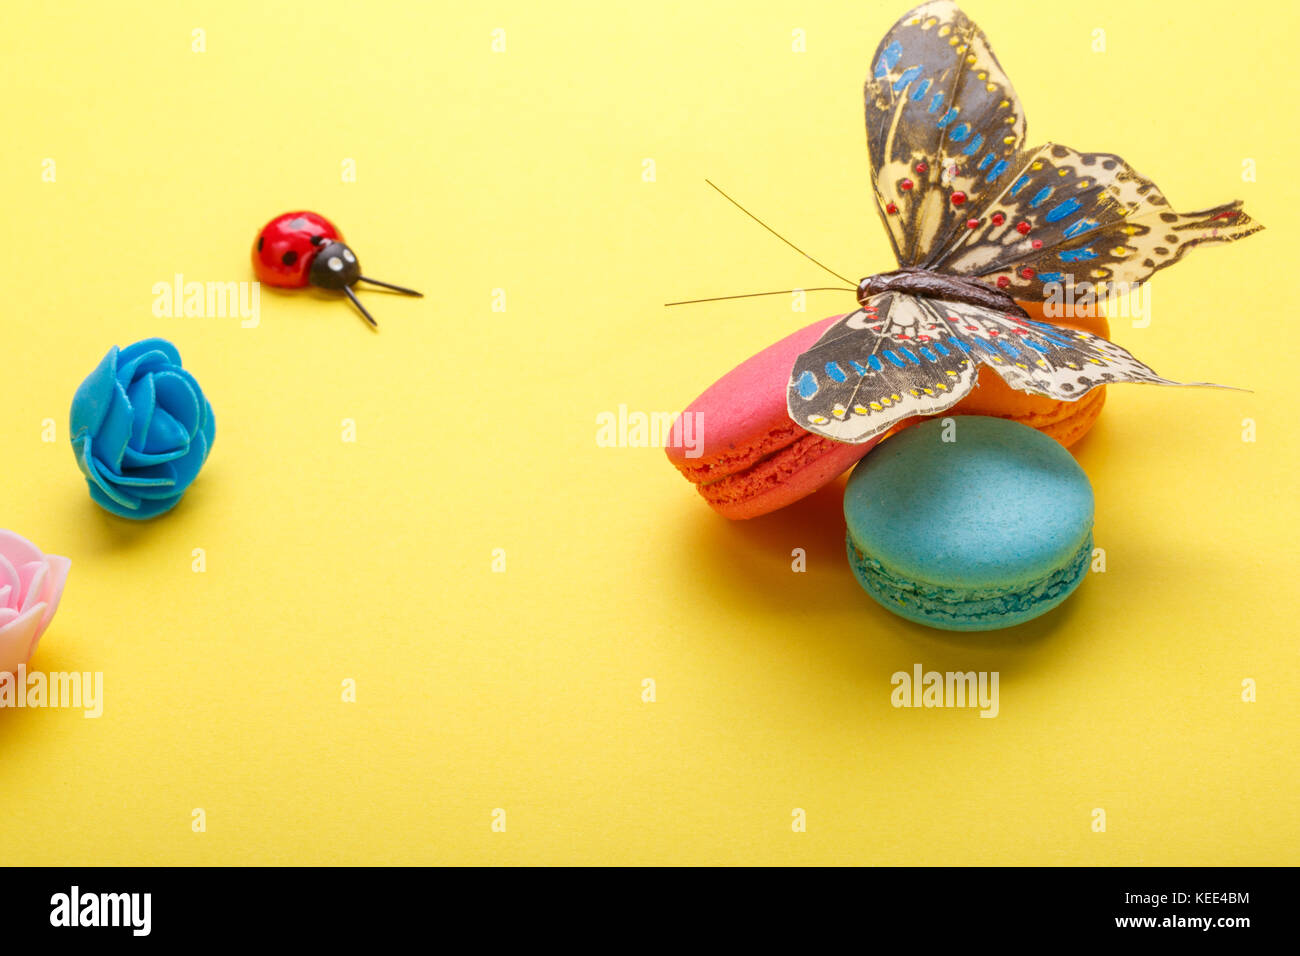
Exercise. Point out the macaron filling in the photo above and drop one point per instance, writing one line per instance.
(768, 471)
(969, 609)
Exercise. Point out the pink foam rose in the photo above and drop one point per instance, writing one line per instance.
(31, 584)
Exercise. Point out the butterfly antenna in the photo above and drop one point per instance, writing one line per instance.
(820, 265)
(751, 295)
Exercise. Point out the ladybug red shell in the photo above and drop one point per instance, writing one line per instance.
(298, 249)
(286, 246)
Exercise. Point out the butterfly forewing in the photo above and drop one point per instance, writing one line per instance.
(944, 128)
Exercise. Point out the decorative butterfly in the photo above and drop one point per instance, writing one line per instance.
(977, 221)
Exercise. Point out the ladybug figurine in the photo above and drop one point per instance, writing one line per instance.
(298, 249)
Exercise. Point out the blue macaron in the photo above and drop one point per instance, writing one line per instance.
(969, 523)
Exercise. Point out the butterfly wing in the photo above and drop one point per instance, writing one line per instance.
(944, 128)
(959, 193)
(888, 361)
(1067, 218)
(902, 356)
(1045, 359)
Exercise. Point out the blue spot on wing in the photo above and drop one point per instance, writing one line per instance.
(807, 385)
(1040, 197)
(996, 171)
(875, 363)
(1019, 185)
(1078, 255)
(1079, 227)
(888, 57)
(948, 117)
(893, 357)
(908, 75)
(974, 145)
(1051, 276)
(986, 161)
(920, 89)
(1062, 210)
(835, 372)
(959, 132)
(935, 102)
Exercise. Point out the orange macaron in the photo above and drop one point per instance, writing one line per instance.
(1067, 422)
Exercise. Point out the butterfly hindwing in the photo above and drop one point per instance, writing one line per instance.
(1045, 359)
(877, 366)
(944, 127)
(902, 355)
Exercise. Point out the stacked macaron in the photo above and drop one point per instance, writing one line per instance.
(754, 460)
(977, 520)
(969, 523)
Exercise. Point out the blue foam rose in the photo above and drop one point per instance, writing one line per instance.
(141, 429)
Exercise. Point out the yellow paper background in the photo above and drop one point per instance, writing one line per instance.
(523, 170)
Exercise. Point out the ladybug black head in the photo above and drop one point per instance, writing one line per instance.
(335, 266)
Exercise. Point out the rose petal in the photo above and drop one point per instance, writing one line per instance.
(17, 548)
(115, 430)
(59, 566)
(104, 482)
(151, 508)
(18, 638)
(145, 356)
(208, 429)
(181, 396)
(187, 468)
(93, 397)
(32, 577)
(9, 576)
(143, 400)
(5, 593)
(7, 614)
(165, 433)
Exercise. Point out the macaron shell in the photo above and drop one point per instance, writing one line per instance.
(796, 471)
(742, 417)
(999, 505)
(751, 459)
(958, 610)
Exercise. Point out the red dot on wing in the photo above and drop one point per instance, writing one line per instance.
(958, 198)
(1023, 228)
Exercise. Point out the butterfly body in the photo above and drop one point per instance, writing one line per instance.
(977, 220)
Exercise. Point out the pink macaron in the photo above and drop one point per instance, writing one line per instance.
(750, 458)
